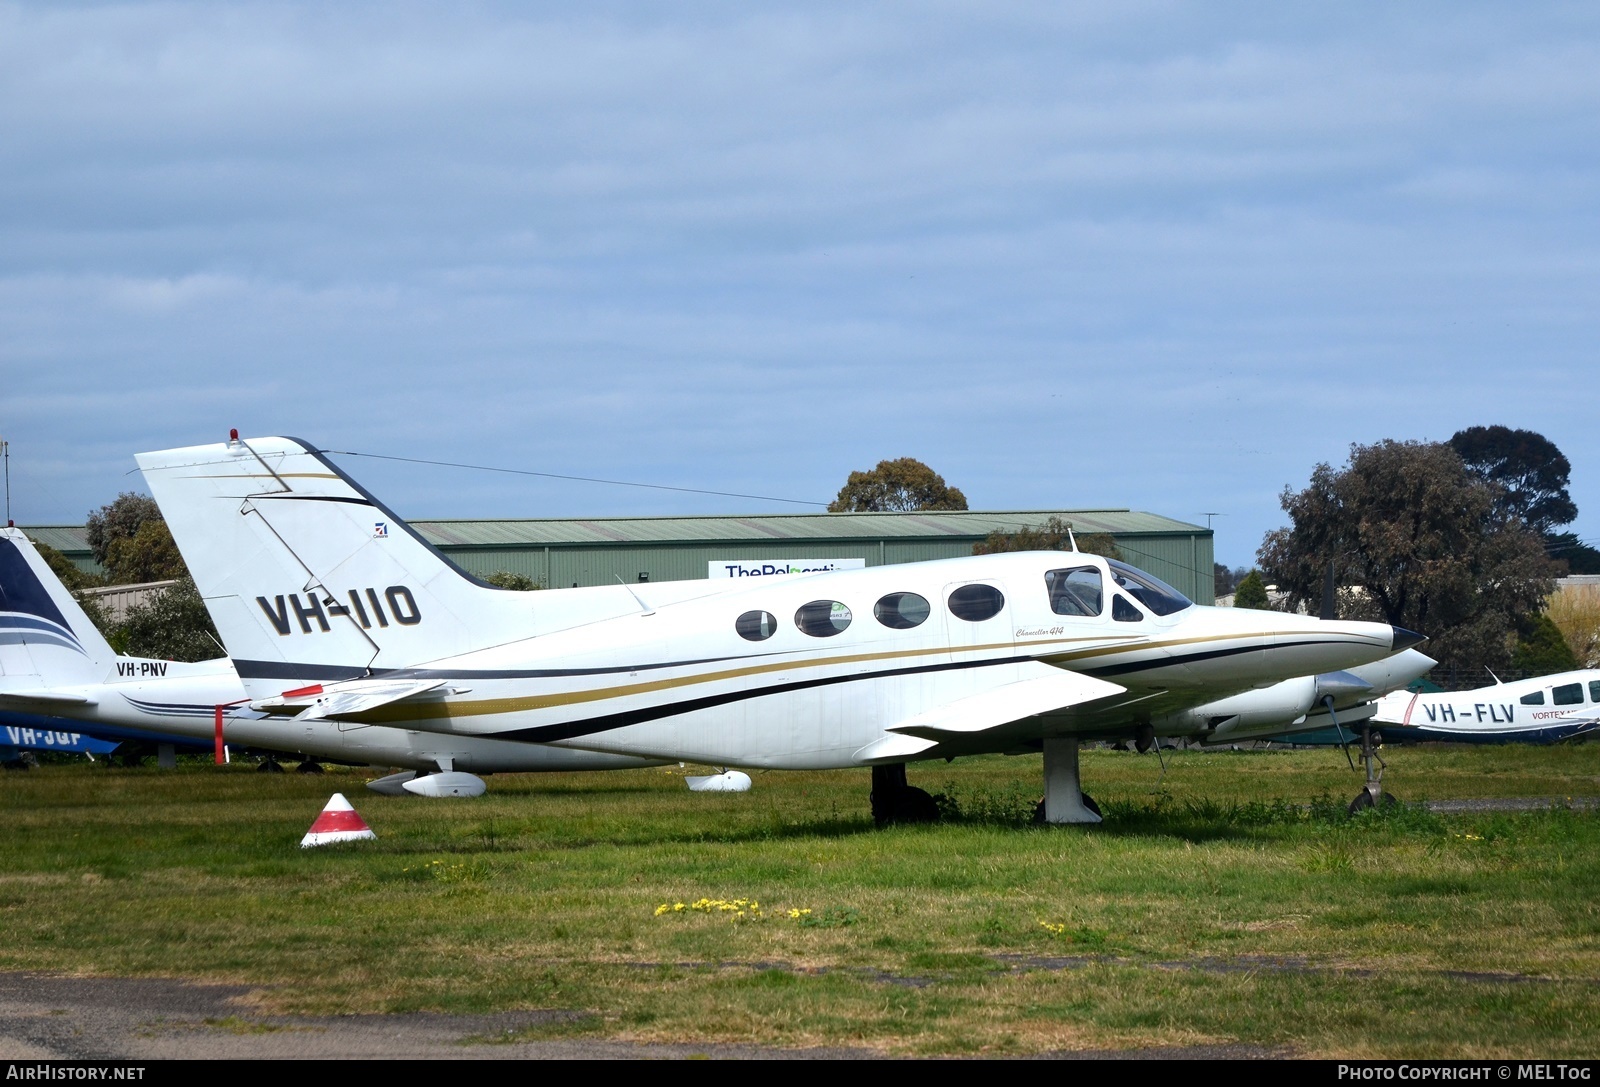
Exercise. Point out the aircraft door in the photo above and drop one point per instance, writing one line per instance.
(977, 623)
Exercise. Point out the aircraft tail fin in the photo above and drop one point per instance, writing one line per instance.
(308, 577)
(45, 637)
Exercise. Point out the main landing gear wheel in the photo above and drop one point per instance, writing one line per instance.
(269, 766)
(893, 801)
(1088, 802)
(309, 767)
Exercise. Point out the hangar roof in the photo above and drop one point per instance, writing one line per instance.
(539, 532)
(64, 538)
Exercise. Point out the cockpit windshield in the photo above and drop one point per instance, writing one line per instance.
(1150, 591)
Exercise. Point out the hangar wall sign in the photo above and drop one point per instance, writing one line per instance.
(778, 567)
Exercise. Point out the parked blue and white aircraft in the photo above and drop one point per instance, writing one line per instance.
(1541, 710)
(335, 610)
(55, 664)
(24, 732)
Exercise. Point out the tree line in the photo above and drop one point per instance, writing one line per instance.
(1460, 540)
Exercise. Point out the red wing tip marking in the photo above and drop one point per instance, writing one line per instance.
(303, 692)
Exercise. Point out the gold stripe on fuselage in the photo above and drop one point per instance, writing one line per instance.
(421, 711)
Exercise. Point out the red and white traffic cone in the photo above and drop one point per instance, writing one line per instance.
(338, 822)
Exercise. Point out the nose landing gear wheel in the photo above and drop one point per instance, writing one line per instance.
(1372, 794)
(1364, 800)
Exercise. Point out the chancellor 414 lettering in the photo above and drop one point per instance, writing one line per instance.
(311, 613)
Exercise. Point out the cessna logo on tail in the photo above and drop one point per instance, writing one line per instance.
(284, 612)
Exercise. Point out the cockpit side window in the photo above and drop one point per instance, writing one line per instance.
(1123, 611)
(1148, 590)
(1568, 694)
(1534, 699)
(1076, 591)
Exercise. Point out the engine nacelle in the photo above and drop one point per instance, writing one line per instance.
(1265, 711)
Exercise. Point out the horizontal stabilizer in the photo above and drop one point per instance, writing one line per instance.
(1057, 690)
(346, 699)
(46, 698)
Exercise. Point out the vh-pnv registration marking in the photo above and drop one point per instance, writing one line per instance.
(146, 669)
(283, 612)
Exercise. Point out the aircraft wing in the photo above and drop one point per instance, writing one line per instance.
(968, 718)
(345, 699)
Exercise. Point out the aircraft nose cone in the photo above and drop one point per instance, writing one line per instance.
(1405, 639)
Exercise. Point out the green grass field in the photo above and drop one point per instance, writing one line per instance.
(1235, 904)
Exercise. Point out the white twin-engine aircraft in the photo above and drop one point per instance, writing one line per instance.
(332, 608)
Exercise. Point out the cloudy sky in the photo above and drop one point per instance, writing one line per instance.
(1166, 256)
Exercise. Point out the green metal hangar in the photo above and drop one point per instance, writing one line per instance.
(600, 550)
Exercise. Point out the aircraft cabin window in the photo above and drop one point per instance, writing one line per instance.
(1534, 699)
(975, 603)
(1075, 591)
(901, 611)
(1148, 590)
(1594, 690)
(1568, 694)
(822, 618)
(1123, 611)
(756, 626)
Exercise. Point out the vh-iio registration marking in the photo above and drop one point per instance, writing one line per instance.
(284, 611)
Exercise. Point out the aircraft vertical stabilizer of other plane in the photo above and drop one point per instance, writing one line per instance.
(334, 609)
(54, 664)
